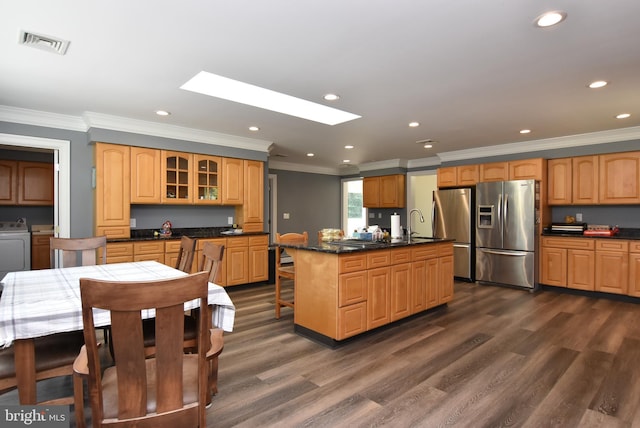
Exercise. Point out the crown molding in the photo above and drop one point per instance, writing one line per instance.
(290, 166)
(41, 118)
(600, 137)
(123, 124)
(391, 163)
(424, 162)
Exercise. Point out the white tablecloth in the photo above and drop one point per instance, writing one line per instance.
(42, 302)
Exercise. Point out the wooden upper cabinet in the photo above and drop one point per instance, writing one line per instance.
(253, 207)
(145, 176)
(35, 181)
(392, 191)
(527, 169)
(447, 177)
(177, 171)
(585, 180)
(8, 182)
(371, 192)
(559, 181)
(113, 190)
(232, 181)
(620, 178)
(496, 171)
(206, 179)
(386, 191)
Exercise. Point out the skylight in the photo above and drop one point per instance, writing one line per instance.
(233, 90)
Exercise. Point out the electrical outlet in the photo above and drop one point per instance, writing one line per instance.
(132, 222)
(372, 215)
(578, 216)
(229, 220)
(379, 215)
(285, 216)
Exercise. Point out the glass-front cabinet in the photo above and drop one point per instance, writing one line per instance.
(176, 177)
(207, 179)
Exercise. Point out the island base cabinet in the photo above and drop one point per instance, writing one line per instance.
(379, 293)
(445, 279)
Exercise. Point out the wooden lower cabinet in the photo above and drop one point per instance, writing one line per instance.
(553, 266)
(342, 295)
(612, 266)
(221, 279)
(581, 270)
(237, 260)
(634, 269)
(148, 251)
(258, 258)
(40, 251)
(119, 252)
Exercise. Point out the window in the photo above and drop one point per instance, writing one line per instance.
(354, 215)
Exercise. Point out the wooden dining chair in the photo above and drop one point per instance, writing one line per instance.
(186, 254)
(54, 357)
(168, 390)
(79, 251)
(286, 271)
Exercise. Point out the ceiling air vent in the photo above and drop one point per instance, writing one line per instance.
(46, 43)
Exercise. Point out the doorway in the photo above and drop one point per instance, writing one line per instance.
(62, 175)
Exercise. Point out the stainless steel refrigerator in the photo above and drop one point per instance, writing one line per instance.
(453, 218)
(506, 232)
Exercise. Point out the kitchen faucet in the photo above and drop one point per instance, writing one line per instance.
(421, 221)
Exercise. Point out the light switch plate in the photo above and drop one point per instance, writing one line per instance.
(132, 222)
(372, 215)
(579, 217)
(230, 220)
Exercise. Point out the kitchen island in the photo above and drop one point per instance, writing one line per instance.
(346, 288)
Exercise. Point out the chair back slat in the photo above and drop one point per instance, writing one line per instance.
(78, 251)
(211, 262)
(186, 254)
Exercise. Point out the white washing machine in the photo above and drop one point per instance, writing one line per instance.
(15, 247)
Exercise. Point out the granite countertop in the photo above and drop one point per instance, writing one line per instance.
(177, 233)
(624, 233)
(356, 245)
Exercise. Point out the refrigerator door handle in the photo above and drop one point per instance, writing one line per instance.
(506, 206)
(506, 253)
(461, 245)
(500, 208)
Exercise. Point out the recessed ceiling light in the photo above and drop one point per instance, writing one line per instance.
(254, 128)
(331, 97)
(310, 155)
(623, 116)
(245, 93)
(346, 161)
(598, 84)
(348, 147)
(428, 146)
(162, 113)
(548, 19)
(525, 131)
(414, 124)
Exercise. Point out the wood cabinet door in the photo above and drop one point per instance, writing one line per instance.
(447, 177)
(496, 171)
(258, 263)
(581, 269)
(177, 177)
(527, 169)
(559, 181)
(585, 175)
(378, 297)
(418, 286)
(400, 291)
(253, 206)
(113, 189)
(620, 178)
(145, 176)
(35, 181)
(634, 273)
(232, 181)
(612, 272)
(371, 192)
(352, 288)
(553, 262)
(206, 179)
(392, 191)
(433, 297)
(445, 279)
(237, 265)
(40, 253)
(467, 175)
(8, 182)
(352, 320)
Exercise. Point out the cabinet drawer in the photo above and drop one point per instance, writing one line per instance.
(424, 252)
(352, 288)
(352, 263)
(114, 231)
(376, 259)
(40, 239)
(634, 247)
(259, 240)
(172, 246)
(219, 241)
(242, 241)
(612, 245)
(149, 257)
(120, 249)
(445, 250)
(574, 243)
(400, 256)
(151, 247)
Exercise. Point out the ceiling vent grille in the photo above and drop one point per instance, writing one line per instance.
(43, 42)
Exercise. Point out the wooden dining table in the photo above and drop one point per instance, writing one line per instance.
(42, 302)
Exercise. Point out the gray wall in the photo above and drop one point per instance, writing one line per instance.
(312, 201)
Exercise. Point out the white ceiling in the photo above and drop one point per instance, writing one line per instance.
(473, 73)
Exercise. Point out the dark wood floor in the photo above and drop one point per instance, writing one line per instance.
(493, 357)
